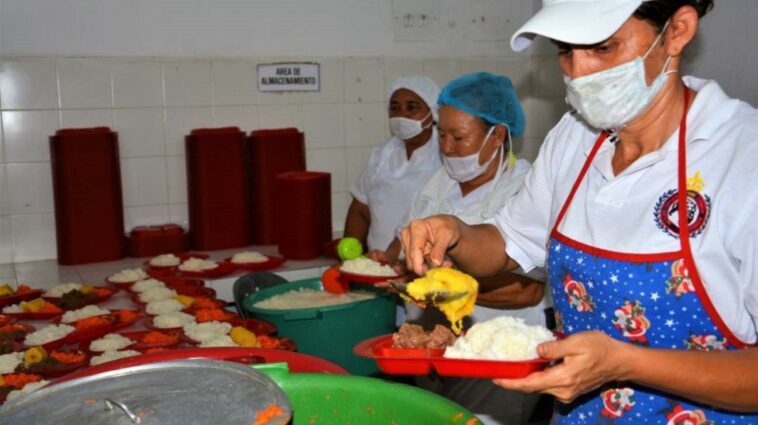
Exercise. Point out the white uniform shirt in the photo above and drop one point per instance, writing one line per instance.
(388, 184)
(620, 213)
(442, 195)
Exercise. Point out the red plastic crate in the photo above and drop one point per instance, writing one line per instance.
(89, 217)
(303, 213)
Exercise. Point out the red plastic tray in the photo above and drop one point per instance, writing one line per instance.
(90, 333)
(63, 369)
(119, 324)
(95, 300)
(34, 316)
(405, 361)
(270, 264)
(17, 298)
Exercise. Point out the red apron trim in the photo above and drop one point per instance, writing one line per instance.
(616, 255)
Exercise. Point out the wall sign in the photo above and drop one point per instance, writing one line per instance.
(285, 77)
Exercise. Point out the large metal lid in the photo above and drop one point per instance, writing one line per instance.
(178, 392)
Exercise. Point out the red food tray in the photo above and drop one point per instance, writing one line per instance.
(34, 316)
(91, 333)
(17, 298)
(60, 370)
(95, 300)
(405, 361)
(191, 291)
(140, 345)
(270, 264)
(122, 323)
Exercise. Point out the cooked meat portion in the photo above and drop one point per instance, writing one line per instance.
(414, 336)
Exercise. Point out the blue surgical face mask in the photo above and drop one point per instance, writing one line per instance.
(611, 99)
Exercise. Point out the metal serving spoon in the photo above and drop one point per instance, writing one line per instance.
(435, 297)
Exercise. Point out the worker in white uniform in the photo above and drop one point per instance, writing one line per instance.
(397, 168)
(641, 203)
(479, 114)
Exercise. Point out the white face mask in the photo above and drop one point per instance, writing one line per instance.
(466, 168)
(406, 128)
(612, 98)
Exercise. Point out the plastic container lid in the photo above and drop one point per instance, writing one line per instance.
(177, 392)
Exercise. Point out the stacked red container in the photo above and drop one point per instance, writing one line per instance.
(89, 213)
(303, 213)
(272, 152)
(218, 190)
(148, 241)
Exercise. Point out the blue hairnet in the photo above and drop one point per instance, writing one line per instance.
(487, 96)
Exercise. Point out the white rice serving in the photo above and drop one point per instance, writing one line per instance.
(176, 319)
(15, 308)
(110, 342)
(368, 267)
(9, 362)
(47, 334)
(311, 298)
(82, 313)
(144, 285)
(206, 331)
(128, 275)
(170, 305)
(219, 341)
(165, 260)
(157, 294)
(502, 338)
(58, 291)
(249, 257)
(112, 355)
(197, 265)
(32, 386)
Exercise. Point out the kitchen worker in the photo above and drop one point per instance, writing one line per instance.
(641, 204)
(397, 168)
(479, 113)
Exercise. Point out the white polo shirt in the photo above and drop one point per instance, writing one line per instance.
(388, 183)
(626, 213)
(442, 195)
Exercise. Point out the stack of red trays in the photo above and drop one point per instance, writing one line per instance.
(148, 241)
(303, 213)
(272, 152)
(218, 189)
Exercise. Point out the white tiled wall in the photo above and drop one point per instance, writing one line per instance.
(154, 103)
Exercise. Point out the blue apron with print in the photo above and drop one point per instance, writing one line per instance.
(654, 300)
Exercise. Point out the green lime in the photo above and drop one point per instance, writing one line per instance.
(349, 248)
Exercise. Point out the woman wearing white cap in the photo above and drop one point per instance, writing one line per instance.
(641, 206)
(398, 167)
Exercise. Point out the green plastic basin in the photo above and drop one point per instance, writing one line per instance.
(330, 332)
(325, 399)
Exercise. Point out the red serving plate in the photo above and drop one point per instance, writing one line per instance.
(365, 278)
(96, 300)
(182, 258)
(270, 264)
(17, 298)
(122, 323)
(150, 325)
(34, 316)
(192, 291)
(223, 269)
(62, 369)
(139, 345)
(298, 363)
(405, 361)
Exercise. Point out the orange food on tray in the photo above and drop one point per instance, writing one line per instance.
(272, 412)
(91, 322)
(18, 380)
(266, 341)
(155, 337)
(68, 356)
(204, 303)
(125, 315)
(7, 291)
(210, 314)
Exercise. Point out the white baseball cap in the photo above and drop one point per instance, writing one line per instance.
(575, 21)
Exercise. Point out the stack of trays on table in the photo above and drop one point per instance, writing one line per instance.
(89, 218)
(303, 213)
(272, 152)
(218, 189)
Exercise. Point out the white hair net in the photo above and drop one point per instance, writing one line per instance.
(423, 86)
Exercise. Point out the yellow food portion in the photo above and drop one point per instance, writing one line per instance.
(6, 290)
(185, 300)
(445, 279)
(34, 355)
(32, 306)
(85, 289)
(243, 337)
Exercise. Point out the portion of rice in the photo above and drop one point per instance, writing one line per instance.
(144, 285)
(368, 267)
(172, 320)
(197, 265)
(58, 291)
(32, 386)
(47, 334)
(128, 275)
(9, 362)
(219, 341)
(82, 313)
(165, 260)
(170, 305)
(157, 294)
(112, 355)
(502, 338)
(110, 342)
(206, 331)
(249, 257)
(15, 308)
(311, 298)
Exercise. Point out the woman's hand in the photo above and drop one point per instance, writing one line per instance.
(427, 241)
(590, 359)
